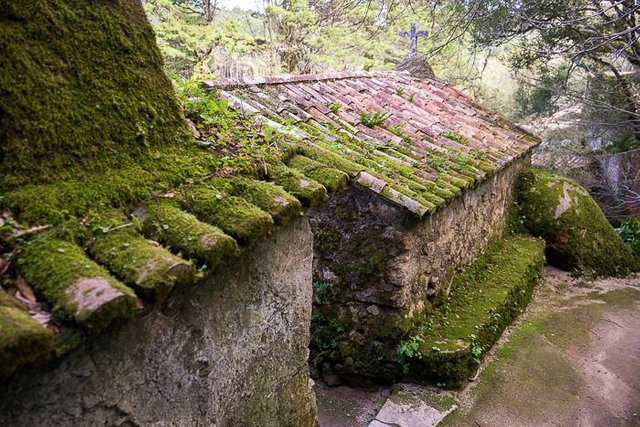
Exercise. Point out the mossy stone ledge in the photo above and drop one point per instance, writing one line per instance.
(184, 233)
(150, 269)
(78, 288)
(447, 345)
(22, 340)
(579, 237)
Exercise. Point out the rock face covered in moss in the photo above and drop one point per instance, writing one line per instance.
(578, 235)
(75, 85)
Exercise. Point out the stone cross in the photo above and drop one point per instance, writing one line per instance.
(413, 35)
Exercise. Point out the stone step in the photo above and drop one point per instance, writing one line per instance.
(447, 345)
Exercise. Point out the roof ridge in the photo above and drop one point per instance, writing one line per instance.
(295, 78)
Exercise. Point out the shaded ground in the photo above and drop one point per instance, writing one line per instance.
(344, 406)
(572, 359)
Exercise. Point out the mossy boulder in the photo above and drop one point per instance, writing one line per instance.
(579, 237)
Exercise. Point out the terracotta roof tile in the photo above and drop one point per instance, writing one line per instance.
(432, 141)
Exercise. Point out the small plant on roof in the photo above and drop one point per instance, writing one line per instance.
(411, 96)
(399, 91)
(459, 138)
(396, 130)
(373, 120)
(334, 107)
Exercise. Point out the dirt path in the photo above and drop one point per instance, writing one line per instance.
(573, 359)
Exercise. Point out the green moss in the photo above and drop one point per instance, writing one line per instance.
(325, 155)
(578, 235)
(53, 267)
(151, 270)
(333, 179)
(307, 190)
(267, 196)
(22, 340)
(237, 217)
(182, 232)
(364, 257)
(82, 89)
(124, 187)
(447, 345)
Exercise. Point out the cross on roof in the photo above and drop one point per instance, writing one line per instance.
(413, 35)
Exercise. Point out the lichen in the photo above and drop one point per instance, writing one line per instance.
(54, 267)
(579, 237)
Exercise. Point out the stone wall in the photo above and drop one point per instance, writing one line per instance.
(376, 266)
(231, 351)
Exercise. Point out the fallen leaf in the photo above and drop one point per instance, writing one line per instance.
(41, 317)
(25, 289)
(4, 265)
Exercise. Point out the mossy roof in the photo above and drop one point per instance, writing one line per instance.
(416, 142)
(126, 241)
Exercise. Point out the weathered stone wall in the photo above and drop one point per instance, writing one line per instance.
(231, 351)
(376, 266)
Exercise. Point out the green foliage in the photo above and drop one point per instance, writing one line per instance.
(409, 349)
(205, 107)
(334, 107)
(541, 96)
(373, 120)
(293, 22)
(194, 46)
(629, 231)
